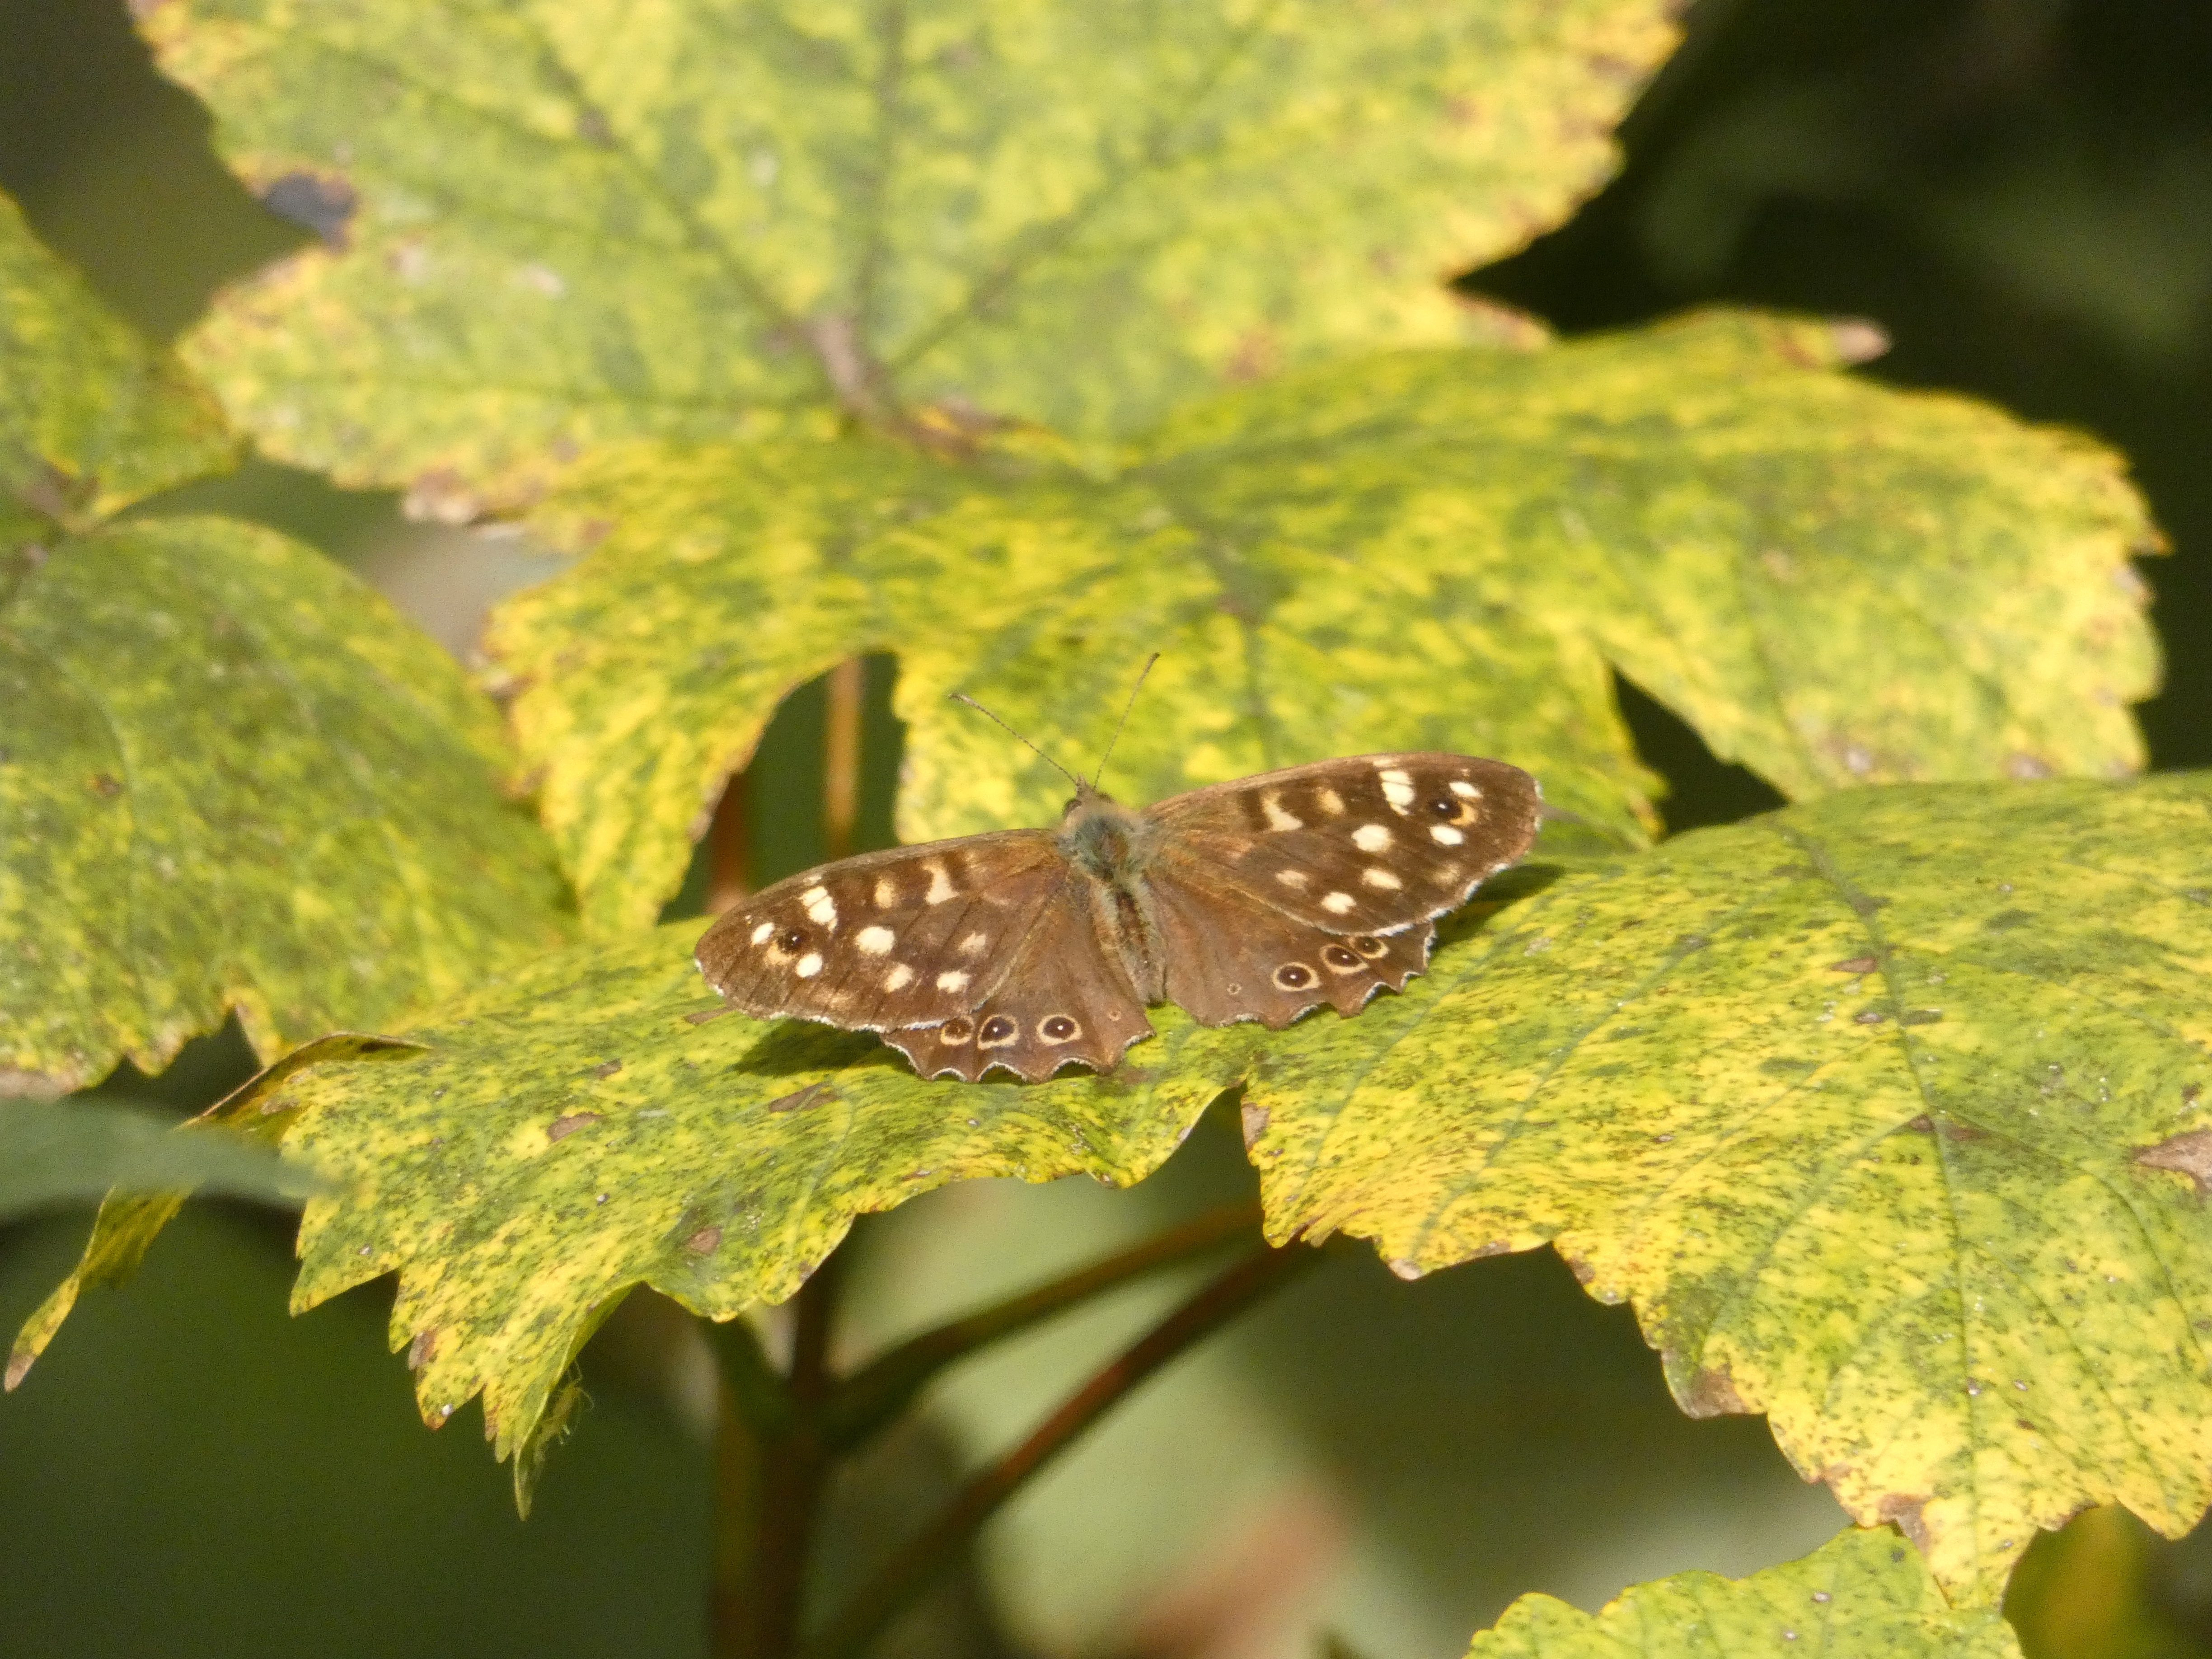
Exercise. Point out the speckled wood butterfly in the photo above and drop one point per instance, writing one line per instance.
(1030, 948)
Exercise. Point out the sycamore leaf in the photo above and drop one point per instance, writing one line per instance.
(1834, 581)
(598, 1121)
(561, 221)
(1860, 1595)
(53, 1154)
(234, 778)
(1891, 1114)
(131, 1217)
(91, 416)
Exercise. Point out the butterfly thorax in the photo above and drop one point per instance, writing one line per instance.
(1112, 845)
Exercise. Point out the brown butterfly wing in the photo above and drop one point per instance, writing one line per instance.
(1367, 844)
(1230, 958)
(910, 936)
(1065, 997)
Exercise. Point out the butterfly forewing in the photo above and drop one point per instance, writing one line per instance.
(1364, 845)
(909, 936)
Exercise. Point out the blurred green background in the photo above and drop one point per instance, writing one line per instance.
(2019, 191)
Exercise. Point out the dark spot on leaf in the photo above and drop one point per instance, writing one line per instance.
(106, 786)
(1855, 965)
(562, 1127)
(1255, 1124)
(706, 1014)
(1869, 1017)
(703, 1242)
(799, 1099)
(1782, 1065)
(592, 127)
(2190, 1091)
(2008, 919)
(322, 203)
(2189, 1154)
(1922, 1125)
(2023, 1422)
(1905, 1512)
(420, 1350)
(1921, 1017)
(607, 1068)
(1711, 1393)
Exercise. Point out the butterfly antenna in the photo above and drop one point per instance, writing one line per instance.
(1124, 720)
(962, 696)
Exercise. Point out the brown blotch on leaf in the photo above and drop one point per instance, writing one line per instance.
(706, 1014)
(1712, 1392)
(105, 785)
(1255, 1124)
(420, 1350)
(814, 1094)
(562, 1126)
(1854, 965)
(1406, 1269)
(2190, 1091)
(1922, 1125)
(1869, 1017)
(703, 1243)
(2189, 1154)
(607, 1068)
(1904, 1512)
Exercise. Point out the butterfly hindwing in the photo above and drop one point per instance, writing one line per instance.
(908, 936)
(1363, 845)
(1230, 958)
(1065, 997)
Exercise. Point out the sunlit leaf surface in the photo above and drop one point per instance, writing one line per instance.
(1862, 1595)
(559, 220)
(1835, 582)
(1891, 1115)
(235, 778)
(91, 416)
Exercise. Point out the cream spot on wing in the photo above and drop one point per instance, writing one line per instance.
(808, 965)
(899, 978)
(1465, 790)
(1446, 834)
(1293, 878)
(1271, 804)
(1447, 874)
(940, 885)
(1397, 787)
(1337, 903)
(1329, 800)
(973, 943)
(820, 906)
(1371, 838)
(761, 933)
(1375, 876)
(886, 893)
(952, 980)
(876, 941)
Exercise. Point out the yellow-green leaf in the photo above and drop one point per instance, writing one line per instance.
(1891, 1114)
(1834, 581)
(91, 416)
(597, 1121)
(232, 778)
(555, 221)
(1861, 1595)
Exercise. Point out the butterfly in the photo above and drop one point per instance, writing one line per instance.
(1030, 949)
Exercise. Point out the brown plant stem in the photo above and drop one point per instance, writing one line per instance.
(871, 1397)
(844, 694)
(771, 1466)
(850, 1634)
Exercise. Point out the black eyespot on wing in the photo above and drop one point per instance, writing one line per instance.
(1060, 1028)
(1341, 956)
(1294, 976)
(790, 939)
(998, 1031)
(1444, 806)
(956, 1030)
(1369, 946)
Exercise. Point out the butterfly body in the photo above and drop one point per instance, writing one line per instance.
(1029, 950)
